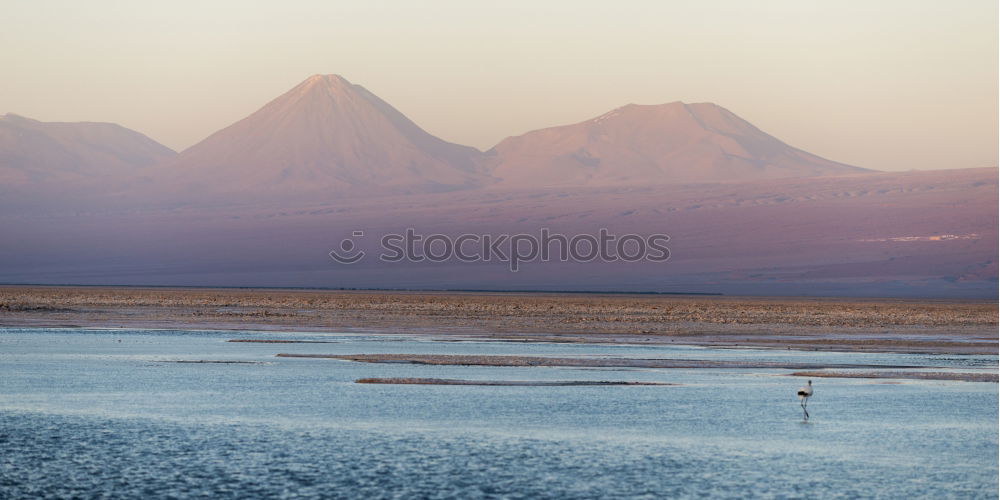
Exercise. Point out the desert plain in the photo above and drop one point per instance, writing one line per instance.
(827, 324)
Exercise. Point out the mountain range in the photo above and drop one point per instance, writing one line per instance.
(329, 137)
(263, 201)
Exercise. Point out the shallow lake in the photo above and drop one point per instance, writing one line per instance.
(87, 412)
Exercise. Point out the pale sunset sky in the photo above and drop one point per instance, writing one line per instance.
(890, 84)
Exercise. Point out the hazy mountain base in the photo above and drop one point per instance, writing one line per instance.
(918, 234)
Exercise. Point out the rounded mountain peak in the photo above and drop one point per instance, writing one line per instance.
(326, 81)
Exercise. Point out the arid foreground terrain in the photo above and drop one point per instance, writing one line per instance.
(931, 326)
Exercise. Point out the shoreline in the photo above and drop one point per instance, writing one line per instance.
(932, 326)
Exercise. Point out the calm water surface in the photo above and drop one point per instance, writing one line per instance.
(86, 413)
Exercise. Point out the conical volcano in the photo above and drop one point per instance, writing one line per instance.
(326, 135)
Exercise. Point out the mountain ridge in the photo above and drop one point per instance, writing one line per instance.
(661, 143)
(34, 151)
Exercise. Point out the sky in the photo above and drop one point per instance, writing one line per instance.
(889, 85)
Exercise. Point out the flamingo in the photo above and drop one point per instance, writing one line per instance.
(804, 393)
